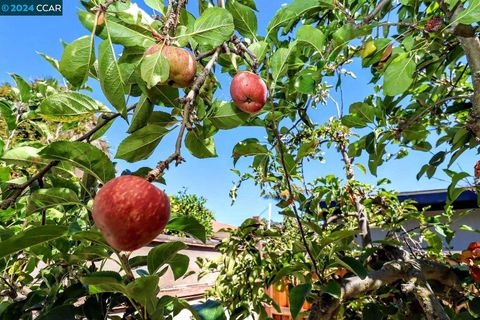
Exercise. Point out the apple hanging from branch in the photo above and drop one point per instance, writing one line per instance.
(183, 65)
(248, 91)
(130, 212)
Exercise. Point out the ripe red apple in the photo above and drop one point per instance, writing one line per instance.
(183, 65)
(475, 273)
(473, 245)
(248, 91)
(130, 212)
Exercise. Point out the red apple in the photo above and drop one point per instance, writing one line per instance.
(473, 245)
(475, 273)
(183, 65)
(248, 91)
(130, 212)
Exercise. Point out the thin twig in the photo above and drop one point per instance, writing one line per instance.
(243, 51)
(362, 216)
(375, 11)
(427, 109)
(290, 191)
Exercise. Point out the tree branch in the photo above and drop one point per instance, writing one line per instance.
(189, 104)
(362, 216)
(413, 272)
(471, 46)
(19, 189)
(375, 11)
(243, 51)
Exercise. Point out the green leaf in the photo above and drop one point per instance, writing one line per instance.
(399, 75)
(30, 237)
(279, 62)
(110, 77)
(188, 225)
(23, 86)
(163, 254)
(248, 147)
(83, 156)
(353, 121)
(200, 144)
(353, 265)
(297, 296)
(311, 36)
(69, 107)
(144, 290)
(470, 14)
(288, 16)
(162, 119)
(214, 27)
(23, 155)
(154, 69)
(51, 197)
(227, 116)
(6, 111)
(155, 5)
(52, 61)
(76, 60)
(437, 159)
(259, 48)
(337, 236)
(120, 33)
(332, 288)
(364, 111)
(141, 143)
(179, 265)
(141, 115)
(211, 310)
(104, 281)
(244, 19)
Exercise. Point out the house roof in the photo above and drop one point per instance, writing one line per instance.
(436, 198)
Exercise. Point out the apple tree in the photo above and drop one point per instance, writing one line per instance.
(159, 73)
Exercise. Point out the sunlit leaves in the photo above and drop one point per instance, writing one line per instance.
(227, 116)
(30, 237)
(69, 107)
(120, 33)
(297, 296)
(214, 27)
(52, 197)
(200, 143)
(110, 77)
(76, 60)
(154, 68)
(140, 144)
(82, 155)
(188, 224)
(162, 254)
(248, 147)
(244, 18)
(399, 75)
(470, 14)
(311, 36)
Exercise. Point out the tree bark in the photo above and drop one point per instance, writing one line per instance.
(471, 46)
(415, 273)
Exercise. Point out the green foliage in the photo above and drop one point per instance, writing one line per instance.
(185, 206)
(52, 161)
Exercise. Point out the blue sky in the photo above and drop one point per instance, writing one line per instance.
(22, 37)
